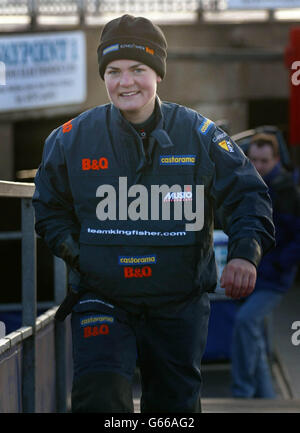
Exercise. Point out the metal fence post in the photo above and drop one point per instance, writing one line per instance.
(81, 12)
(28, 305)
(60, 337)
(200, 11)
(271, 15)
(33, 11)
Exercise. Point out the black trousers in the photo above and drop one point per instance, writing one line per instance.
(168, 343)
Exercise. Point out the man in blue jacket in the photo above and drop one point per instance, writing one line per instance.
(125, 195)
(275, 275)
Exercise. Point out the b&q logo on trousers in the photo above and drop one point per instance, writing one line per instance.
(133, 272)
(94, 331)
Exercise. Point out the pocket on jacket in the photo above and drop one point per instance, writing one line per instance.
(134, 259)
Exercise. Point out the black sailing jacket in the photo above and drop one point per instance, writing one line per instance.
(95, 167)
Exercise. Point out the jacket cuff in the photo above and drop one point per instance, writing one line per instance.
(247, 248)
(68, 250)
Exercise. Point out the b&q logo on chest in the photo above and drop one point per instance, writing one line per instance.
(94, 164)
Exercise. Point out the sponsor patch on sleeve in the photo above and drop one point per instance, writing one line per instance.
(66, 127)
(226, 145)
(205, 126)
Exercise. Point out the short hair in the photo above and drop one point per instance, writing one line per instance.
(264, 139)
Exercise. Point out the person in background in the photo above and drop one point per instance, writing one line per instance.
(251, 373)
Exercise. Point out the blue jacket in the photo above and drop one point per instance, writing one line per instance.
(148, 261)
(278, 268)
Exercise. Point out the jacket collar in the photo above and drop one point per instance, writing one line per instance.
(122, 126)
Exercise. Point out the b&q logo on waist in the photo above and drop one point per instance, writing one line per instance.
(132, 272)
(94, 164)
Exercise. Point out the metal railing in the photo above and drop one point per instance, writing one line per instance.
(85, 12)
(26, 336)
(102, 7)
(69, 7)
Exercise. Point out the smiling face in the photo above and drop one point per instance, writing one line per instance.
(131, 87)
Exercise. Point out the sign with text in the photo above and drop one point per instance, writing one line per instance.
(262, 4)
(42, 70)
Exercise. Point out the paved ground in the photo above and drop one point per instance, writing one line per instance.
(286, 370)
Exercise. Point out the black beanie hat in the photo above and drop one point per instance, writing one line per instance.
(133, 38)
